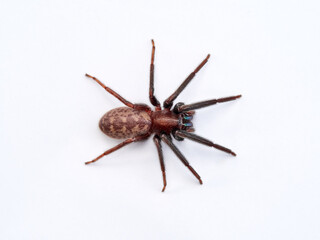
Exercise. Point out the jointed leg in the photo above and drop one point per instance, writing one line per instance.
(193, 106)
(124, 143)
(168, 103)
(157, 141)
(124, 101)
(168, 141)
(196, 138)
(152, 98)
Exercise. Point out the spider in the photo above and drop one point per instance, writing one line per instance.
(137, 122)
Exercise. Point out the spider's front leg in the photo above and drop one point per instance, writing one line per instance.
(179, 108)
(184, 134)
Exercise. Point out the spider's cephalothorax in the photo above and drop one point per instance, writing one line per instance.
(137, 122)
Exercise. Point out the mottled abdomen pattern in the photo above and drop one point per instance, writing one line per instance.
(125, 122)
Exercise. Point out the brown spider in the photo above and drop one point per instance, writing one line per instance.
(137, 122)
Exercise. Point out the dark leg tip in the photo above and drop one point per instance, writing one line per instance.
(233, 154)
(200, 181)
(164, 188)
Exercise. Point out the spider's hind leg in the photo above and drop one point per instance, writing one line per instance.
(121, 99)
(120, 145)
(109, 90)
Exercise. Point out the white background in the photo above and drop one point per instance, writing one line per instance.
(268, 51)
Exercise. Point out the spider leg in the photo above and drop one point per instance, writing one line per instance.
(168, 141)
(196, 138)
(157, 141)
(169, 101)
(185, 108)
(124, 143)
(109, 90)
(154, 101)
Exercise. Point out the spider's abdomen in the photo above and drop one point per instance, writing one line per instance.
(124, 122)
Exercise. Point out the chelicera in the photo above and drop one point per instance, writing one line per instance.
(137, 122)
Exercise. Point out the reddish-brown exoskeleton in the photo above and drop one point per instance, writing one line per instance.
(137, 122)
